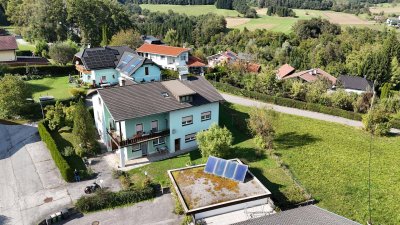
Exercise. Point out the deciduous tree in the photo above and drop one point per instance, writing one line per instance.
(215, 141)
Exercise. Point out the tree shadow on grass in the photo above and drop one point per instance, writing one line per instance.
(35, 88)
(278, 197)
(235, 121)
(246, 155)
(289, 140)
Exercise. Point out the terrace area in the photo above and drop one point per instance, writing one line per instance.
(136, 139)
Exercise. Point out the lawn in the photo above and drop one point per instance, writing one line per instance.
(330, 160)
(64, 138)
(192, 10)
(58, 87)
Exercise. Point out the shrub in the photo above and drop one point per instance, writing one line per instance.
(377, 121)
(187, 220)
(262, 123)
(125, 181)
(68, 151)
(343, 100)
(103, 199)
(65, 170)
(23, 53)
(13, 95)
(62, 53)
(41, 48)
(215, 141)
(75, 92)
(117, 173)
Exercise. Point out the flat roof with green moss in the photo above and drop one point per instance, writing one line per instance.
(198, 190)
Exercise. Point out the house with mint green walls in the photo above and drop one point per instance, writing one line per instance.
(138, 69)
(108, 65)
(155, 118)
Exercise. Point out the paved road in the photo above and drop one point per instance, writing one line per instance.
(155, 212)
(31, 187)
(293, 111)
(30, 184)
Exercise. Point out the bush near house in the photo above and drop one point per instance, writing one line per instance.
(103, 199)
(66, 171)
(287, 102)
(52, 70)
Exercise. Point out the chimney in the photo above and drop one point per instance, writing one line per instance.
(183, 76)
(121, 81)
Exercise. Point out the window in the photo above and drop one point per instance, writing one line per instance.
(103, 78)
(190, 137)
(139, 128)
(159, 141)
(162, 57)
(154, 126)
(206, 116)
(99, 101)
(113, 76)
(187, 98)
(187, 120)
(146, 70)
(136, 148)
(183, 57)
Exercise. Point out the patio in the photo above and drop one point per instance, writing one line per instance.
(139, 162)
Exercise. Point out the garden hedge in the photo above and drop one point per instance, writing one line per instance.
(33, 110)
(52, 70)
(106, 200)
(24, 53)
(287, 102)
(66, 171)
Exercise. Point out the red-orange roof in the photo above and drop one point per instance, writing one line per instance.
(195, 62)
(253, 68)
(285, 70)
(8, 43)
(161, 49)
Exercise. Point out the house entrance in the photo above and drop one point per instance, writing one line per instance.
(177, 144)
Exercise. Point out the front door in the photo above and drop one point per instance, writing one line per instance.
(177, 144)
(143, 146)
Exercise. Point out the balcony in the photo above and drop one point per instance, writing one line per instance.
(136, 139)
(82, 69)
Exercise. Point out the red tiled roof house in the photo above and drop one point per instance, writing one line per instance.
(8, 47)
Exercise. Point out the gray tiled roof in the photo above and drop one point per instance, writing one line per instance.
(306, 215)
(356, 83)
(145, 99)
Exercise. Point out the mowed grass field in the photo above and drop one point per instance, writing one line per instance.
(58, 87)
(274, 23)
(387, 8)
(330, 160)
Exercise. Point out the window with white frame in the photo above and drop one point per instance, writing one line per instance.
(162, 57)
(139, 128)
(190, 137)
(159, 141)
(136, 148)
(103, 78)
(183, 57)
(186, 98)
(187, 120)
(206, 116)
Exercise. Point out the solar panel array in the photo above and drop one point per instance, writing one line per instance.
(99, 58)
(130, 62)
(225, 168)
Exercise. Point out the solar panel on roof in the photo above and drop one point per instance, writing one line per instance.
(210, 165)
(133, 66)
(220, 168)
(230, 169)
(240, 173)
(224, 168)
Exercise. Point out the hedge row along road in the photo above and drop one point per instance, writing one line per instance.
(293, 111)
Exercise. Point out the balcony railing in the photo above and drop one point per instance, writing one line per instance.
(82, 69)
(138, 138)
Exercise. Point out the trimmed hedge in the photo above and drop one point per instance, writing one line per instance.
(34, 111)
(23, 53)
(66, 171)
(53, 70)
(287, 102)
(106, 200)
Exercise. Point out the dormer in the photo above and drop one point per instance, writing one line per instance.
(181, 92)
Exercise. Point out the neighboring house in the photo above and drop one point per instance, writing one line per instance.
(196, 65)
(167, 57)
(355, 84)
(393, 21)
(8, 47)
(221, 58)
(144, 119)
(105, 65)
(284, 71)
(137, 68)
(311, 76)
(244, 60)
(151, 40)
(306, 215)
